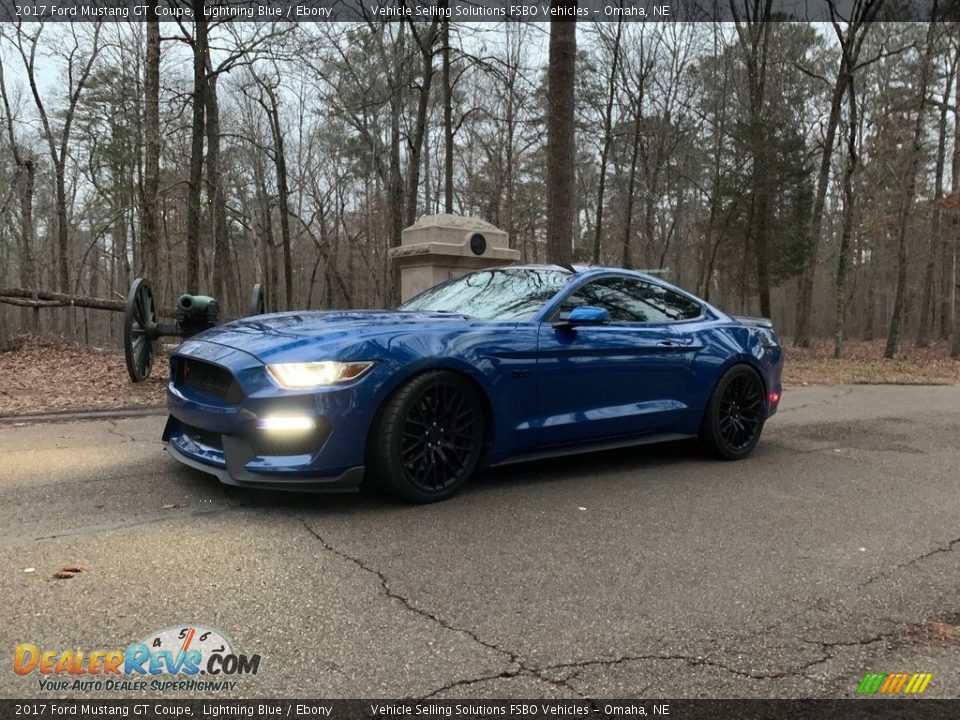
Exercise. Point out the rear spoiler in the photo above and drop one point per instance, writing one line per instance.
(754, 321)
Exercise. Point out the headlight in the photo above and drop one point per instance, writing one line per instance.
(296, 376)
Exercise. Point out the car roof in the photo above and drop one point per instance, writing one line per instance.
(583, 269)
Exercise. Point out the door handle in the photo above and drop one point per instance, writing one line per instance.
(667, 344)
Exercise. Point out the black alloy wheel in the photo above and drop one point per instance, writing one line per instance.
(429, 437)
(735, 414)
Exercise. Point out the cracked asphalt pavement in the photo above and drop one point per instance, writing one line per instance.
(648, 572)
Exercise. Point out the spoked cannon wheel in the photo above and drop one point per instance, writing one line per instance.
(140, 331)
(258, 303)
(735, 415)
(429, 437)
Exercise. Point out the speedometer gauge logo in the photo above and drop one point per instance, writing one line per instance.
(203, 643)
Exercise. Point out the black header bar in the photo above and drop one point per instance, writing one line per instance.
(453, 10)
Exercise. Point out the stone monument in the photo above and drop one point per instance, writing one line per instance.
(439, 247)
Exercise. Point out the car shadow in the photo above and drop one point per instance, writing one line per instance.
(584, 466)
(587, 464)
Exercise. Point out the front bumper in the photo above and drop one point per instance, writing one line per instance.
(348, 481)
(218, 432)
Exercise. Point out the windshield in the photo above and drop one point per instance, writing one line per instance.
(502, 294)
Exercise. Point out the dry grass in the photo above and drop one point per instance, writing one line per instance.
(863, 362)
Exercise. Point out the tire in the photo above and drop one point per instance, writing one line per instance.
(735, 414)
(428, 437)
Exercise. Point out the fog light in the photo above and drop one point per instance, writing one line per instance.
(774, 398)
(286, 423)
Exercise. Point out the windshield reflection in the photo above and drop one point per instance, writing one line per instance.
(500, 294)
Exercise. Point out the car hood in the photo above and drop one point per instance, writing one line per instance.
(291, 336)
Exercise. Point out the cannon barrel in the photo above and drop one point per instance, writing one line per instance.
(196, 313)
(193, 304)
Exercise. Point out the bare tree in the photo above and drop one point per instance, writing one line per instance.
(899, 299)
(79, 65)
(26, 180)
(849, 201)
(447, 118)
(607, 139)
(150, 211)
(948, 252)
(426, 43)
(851, 43)
(561, 72)
(201, 51)
(753, 30)
(925, 321)
(268, 99)
(637, 73)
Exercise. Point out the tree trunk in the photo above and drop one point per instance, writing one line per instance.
(899, 300)
(26, 179)
(607, 142)
(851, 43)
(200, 51)
(805, 306)
(948, 252)
(843, 260)
(150, 211)
(561, 148)
(63, 231)
(420, 125)
(926, 319)
(215, 196)
(510, 161)
(263, 238)
(447, 120)
(283, 199)
(625, 258)
(28, 261)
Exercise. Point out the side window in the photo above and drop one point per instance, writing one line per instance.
(631, 300)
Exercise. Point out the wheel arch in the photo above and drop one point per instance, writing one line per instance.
(461, 369)
(732, 362)
(741, 359)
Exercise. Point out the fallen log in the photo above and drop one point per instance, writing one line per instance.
(46, 298)
(33, 303)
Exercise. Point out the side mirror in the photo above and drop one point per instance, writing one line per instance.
(585, 315)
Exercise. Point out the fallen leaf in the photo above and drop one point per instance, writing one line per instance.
(66, 376)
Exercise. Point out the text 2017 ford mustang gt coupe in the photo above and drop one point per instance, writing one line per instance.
(497, 366)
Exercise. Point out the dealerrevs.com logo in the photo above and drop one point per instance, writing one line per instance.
(182, 657)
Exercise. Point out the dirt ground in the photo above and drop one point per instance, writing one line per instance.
(44, 376)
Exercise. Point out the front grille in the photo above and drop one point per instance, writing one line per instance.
(209, 379)
(203, 437)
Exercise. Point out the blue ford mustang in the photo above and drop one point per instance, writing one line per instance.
(497, 366)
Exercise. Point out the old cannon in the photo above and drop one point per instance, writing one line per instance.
(142, 329)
